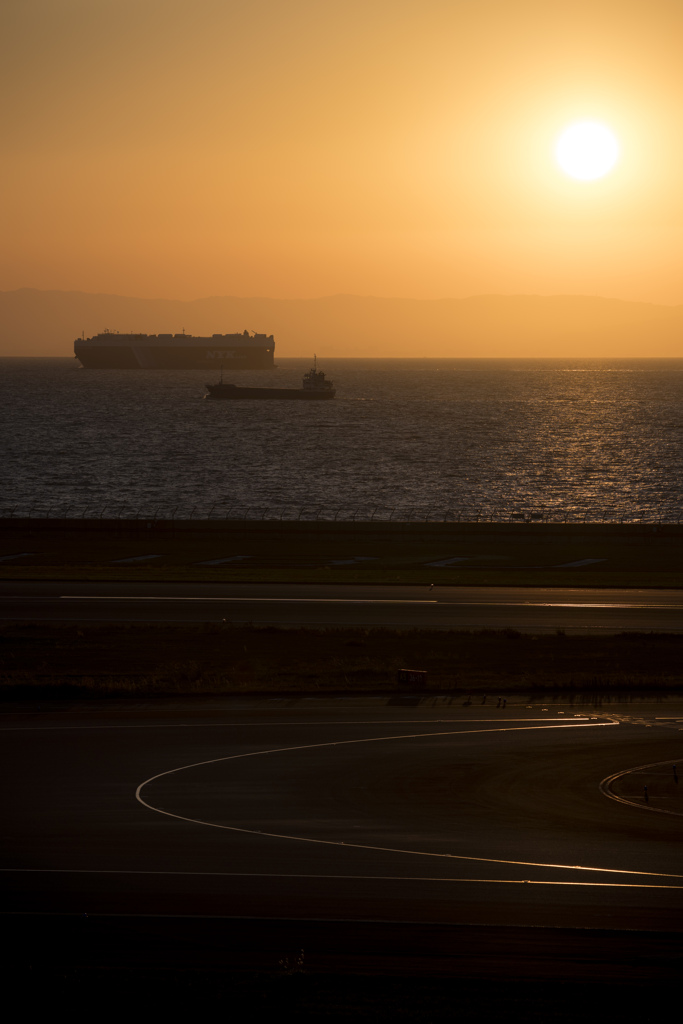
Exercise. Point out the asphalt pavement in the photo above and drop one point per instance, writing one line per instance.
(533, 609)
(401, 809)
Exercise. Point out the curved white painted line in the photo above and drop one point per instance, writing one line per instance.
(606, 787)
(385, 849)
(59, 727)
(336, 878)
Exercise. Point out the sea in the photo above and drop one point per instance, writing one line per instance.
(405, 439)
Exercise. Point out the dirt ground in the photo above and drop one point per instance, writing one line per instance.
(214, 658)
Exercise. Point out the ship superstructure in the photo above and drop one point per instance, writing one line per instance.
(314, 386)
(111, 350)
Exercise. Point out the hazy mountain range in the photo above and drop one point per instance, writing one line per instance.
(45, 323)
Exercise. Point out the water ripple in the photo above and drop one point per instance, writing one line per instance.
(594, 439)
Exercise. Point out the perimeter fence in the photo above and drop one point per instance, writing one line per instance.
(360, 514)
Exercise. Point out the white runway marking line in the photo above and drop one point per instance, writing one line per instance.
(335, 878)
(355, 560)
(588, 606)
(260, 600)
(446, 562)
(20, 554)
(136, 558)
(575, 565)
(223, 561)
(591, 604)
(388, 849)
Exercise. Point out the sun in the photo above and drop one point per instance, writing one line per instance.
(587, 150)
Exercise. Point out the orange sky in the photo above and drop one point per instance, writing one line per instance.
(295, 148)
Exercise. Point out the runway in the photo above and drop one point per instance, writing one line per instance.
(523, 608)
(355, 810)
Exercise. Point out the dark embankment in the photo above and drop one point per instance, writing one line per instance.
(514, 553)
(359, 971)
(53, 660)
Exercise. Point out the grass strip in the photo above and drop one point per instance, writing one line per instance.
(141, 659)
(412, 577)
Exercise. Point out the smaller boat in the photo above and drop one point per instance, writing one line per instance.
(314, 387)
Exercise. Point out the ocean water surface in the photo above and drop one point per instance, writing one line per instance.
(403, 439)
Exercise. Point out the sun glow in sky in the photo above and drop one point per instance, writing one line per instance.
(184, 148)
(587, 150)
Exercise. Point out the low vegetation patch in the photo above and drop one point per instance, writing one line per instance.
(148, 660)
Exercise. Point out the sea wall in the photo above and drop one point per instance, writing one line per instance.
(298, 528)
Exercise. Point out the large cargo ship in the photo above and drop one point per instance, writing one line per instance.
(111, 350)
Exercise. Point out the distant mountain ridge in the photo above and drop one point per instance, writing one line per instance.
(45, 323)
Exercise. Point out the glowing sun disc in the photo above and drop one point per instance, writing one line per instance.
(587, 150)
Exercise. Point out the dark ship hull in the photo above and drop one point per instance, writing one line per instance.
(109, 351)
(235, 392)
(315, 388)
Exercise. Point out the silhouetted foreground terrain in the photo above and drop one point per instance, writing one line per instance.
(148, 659)
(536, 554)
(454, 974)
